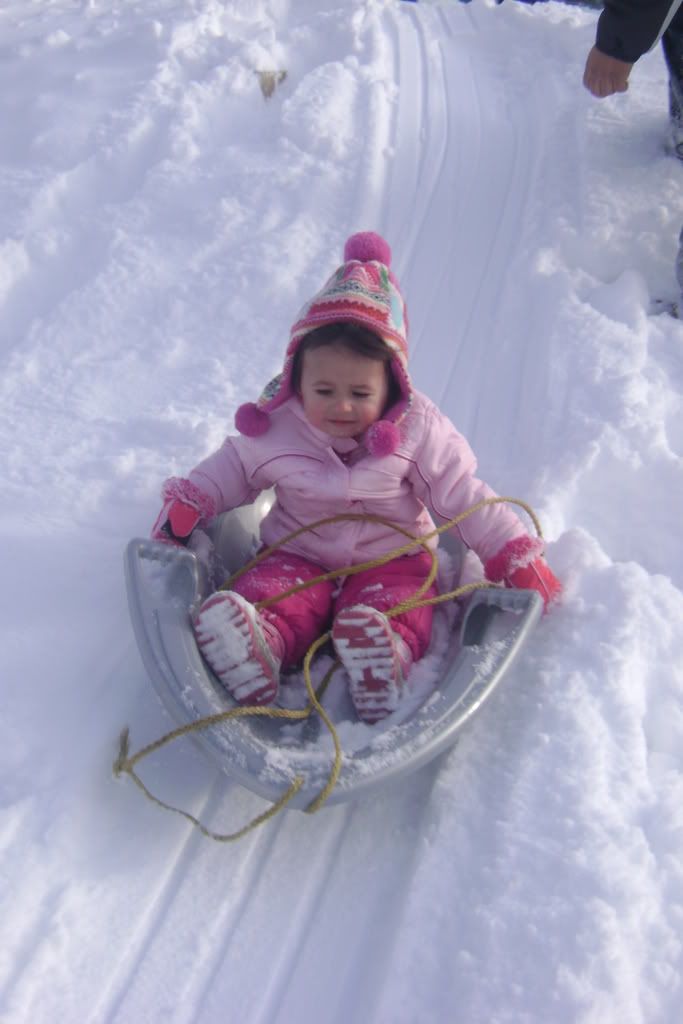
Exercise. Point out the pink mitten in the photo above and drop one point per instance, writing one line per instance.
(184, 508)
(176, 522)
(537, 576)
(520, 564)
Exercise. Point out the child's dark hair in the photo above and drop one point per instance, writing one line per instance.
(360, 340)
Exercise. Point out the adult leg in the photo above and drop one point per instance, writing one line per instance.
(679, 275)
(672, 44)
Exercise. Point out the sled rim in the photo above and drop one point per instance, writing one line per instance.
(188, 690)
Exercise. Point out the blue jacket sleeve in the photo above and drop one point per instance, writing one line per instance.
(629, 28)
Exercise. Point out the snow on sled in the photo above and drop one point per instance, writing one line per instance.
(470, 654)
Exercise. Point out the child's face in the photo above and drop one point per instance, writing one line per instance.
(342, 392)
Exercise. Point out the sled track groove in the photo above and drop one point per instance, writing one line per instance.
(204, 894)
(146, 945)
(462, 213)
(286, 955)
(24, 956)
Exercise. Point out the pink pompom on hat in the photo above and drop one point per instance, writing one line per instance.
(362, 291)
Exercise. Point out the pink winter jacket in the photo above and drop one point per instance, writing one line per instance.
(315, 476)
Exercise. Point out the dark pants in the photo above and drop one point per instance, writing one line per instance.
(672, 44)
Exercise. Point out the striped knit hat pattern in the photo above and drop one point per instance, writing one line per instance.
(362, 291)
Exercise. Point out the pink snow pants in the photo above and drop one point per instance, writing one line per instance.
(303, 617)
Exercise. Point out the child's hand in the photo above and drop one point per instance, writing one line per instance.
(537, 576)
(520, 564)
(185, 506)
(176, 521)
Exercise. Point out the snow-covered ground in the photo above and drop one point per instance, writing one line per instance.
(160, 224)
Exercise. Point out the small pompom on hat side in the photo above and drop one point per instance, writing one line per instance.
(362, 291)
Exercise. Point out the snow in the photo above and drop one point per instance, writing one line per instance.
(161, 222)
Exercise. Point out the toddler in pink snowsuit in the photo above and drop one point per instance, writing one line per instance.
(342, 430)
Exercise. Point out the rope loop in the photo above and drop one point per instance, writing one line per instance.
(125, 762)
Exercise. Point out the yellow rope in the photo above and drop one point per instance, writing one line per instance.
(125, 762)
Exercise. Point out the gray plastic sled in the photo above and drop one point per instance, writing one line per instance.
(265, 755)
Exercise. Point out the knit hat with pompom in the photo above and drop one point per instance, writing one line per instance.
(362, 291)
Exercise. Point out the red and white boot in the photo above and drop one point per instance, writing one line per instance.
(377, 660)
(243, 649)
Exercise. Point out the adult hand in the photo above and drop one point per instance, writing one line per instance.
(605, 75)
